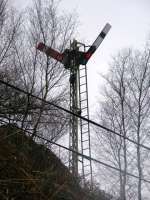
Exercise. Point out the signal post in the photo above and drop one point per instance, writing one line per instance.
(72, 58)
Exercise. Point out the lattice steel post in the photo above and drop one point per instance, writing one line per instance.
(71, 59)
(74, 107)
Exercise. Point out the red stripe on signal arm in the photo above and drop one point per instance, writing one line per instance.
(50, 52)
(88, 55)
(40, 46)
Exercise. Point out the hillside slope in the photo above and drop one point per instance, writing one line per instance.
(30, 171)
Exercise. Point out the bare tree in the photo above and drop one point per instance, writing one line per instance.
(140, 106)
(125, 109)
(115, 117)
(10, 22)
(38, 74)
(45, 24)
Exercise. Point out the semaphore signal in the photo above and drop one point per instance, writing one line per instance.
(79, 134)
(81, 57)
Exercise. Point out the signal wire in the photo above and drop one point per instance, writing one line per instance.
(72, 113)
(90, 158)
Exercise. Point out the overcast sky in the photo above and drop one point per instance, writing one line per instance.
(130, 20)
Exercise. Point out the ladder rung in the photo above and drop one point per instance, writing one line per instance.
(85, 140)
(82, 68)
(82, 77)
(85, 132)
(85, 149)
(85, 111)
(83, 100)
(84, 108)
(84, 124)
(83, 92)
(82, 84)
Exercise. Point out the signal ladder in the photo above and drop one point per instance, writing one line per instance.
(86, 165)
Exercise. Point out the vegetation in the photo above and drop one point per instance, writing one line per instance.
(31, 171)
(22, 65)
(28, 168)
(126, 109)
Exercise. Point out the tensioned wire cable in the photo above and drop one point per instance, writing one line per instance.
(72, 113)
(89, 158)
